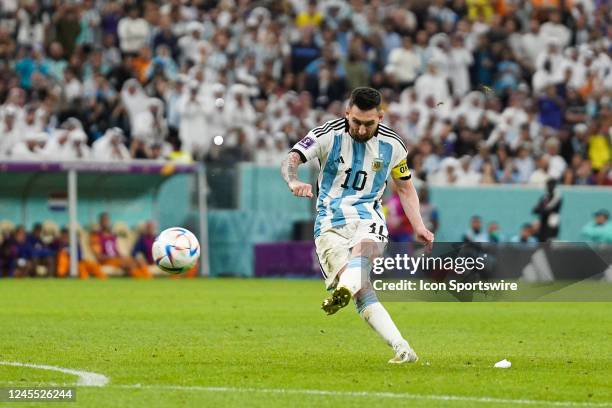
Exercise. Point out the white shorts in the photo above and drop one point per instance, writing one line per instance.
(334, 245)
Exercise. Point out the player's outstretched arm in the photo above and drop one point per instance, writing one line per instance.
(289, 171)
(410, 203)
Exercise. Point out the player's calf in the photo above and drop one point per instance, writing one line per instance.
(350, 282)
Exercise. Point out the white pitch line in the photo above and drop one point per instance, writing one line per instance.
(369, 394)
(86, 378)
(354, 394)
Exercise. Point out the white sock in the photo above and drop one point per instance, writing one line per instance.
(378, 318)
(354, 274)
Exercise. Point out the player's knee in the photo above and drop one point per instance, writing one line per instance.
(367, 248)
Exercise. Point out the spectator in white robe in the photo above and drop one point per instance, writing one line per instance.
(133, 31)
(111, 146)
(216, 122)
(57, 145)
(542, 78)
(72, 88)
(205, 77)
(150, 125)
(195, 139)
(580, 67)
(404, 63)
(557, 163)
(134, 99)
(433, 83)
(532, 41)
(30, 122)
(472, 107)
(239, 111)
(459, 63)
(10, 134)
(192, 42)
(15, 101)
(31, 148)
(77, 148)
(540, 175)
(553, 28)
(552, 54)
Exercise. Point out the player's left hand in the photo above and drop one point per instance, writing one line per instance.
(424, 235)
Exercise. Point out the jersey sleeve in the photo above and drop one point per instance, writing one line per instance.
(399, 165)
(311, 146)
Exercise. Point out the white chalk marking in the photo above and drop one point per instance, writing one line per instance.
(94, 379)
(86, 378)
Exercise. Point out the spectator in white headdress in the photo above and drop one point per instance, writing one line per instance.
(240, 111)
(150, 125)
(552, 54)
(205, 77)
(31, 148)
(191, 43)
(134, 99)
(15, 102)
(193, 132)
(30, 123)
(581, 65)
(542, 78)
(111, 146)
(472, 108)
(460, 59)
(58, 144)
(77, 148)
(9, 130)
(438, 52)
(433, 83)
(216, 106)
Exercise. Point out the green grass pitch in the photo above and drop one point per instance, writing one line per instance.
(266, 343)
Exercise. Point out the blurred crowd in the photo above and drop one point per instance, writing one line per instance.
(597, 231)
(103, 249)
(482, 91)
(547, 225)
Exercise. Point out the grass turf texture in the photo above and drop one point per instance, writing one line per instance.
(272, 334)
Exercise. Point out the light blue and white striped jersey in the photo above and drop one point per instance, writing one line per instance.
(353, 174)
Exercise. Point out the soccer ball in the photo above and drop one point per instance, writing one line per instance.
(176, 250)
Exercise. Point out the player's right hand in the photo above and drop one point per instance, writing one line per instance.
(300, 189)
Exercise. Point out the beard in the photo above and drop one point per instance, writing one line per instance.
(363, 138)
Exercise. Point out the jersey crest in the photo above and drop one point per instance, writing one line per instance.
(377, 164)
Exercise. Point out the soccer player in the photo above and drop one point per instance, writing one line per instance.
(357, 154)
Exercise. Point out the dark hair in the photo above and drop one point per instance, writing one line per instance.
(365, 98)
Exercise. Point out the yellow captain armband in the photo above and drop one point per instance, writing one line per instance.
(401, 171)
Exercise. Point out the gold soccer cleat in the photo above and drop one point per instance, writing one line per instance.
(339, 298)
